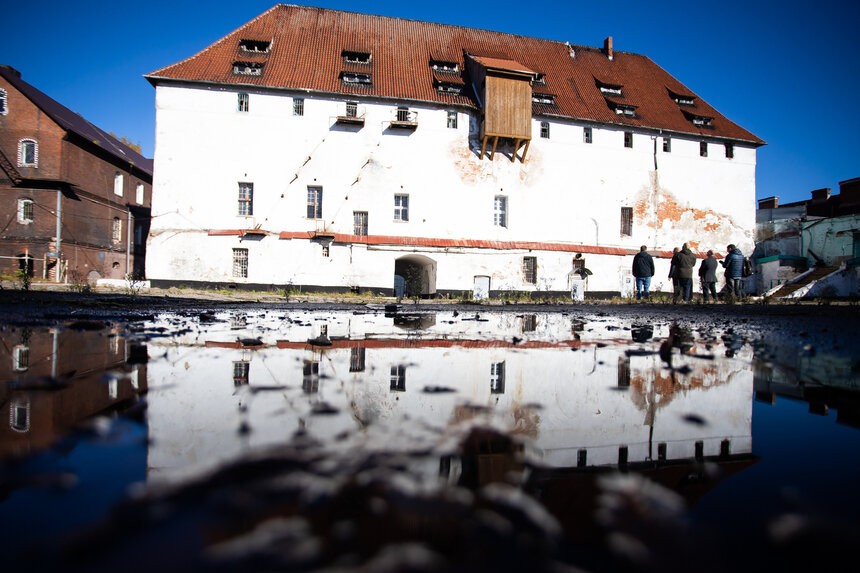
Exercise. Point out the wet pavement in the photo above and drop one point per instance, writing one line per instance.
(177, 434)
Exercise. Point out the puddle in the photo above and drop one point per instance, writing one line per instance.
(381, 439)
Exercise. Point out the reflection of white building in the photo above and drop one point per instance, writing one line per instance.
(326, 149)
(378, 386)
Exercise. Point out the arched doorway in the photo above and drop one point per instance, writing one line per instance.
(418, 273)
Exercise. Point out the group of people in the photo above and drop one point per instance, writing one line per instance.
(681, 273)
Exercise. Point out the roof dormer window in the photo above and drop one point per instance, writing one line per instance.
(609, 89)
(699, 120)
(248, 68)
(351, 57)
(625, 109)
(540, 80)
(545, 99)
(255, 46)
(355, 78)
(442, 66)
(682, 99)
(449, 88)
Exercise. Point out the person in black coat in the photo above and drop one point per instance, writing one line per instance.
(673, 274)
(708, 276)
(643, 270)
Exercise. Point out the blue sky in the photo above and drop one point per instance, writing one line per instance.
(788, 72)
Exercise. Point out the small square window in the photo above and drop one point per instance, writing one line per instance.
(452, 120)
(586, 135)
(243, 101)
(401, 207)
(544, 129)
(530, 270)
(703, 148)
(627, 221)
(628, 139)
(730, 150)
(667, 145)
(298, 106)
(240, 263)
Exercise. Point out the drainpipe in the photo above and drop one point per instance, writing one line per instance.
(128, 248)
(57, 270)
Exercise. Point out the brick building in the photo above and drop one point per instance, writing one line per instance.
(72, 197)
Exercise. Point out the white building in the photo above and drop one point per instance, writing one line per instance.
(332, 150)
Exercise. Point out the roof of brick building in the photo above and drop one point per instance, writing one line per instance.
(305, 48)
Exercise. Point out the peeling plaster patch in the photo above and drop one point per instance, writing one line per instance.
(473, 170)
(680, 220)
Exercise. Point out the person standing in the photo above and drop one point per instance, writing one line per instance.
(734, 265)
(673, 275)
(685, 264)
(708, 276)
(643, 270)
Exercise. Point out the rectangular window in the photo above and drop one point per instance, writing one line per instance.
(21, 358)
(497, 378)
(544, 129)
(117, 183)
(622, 455)
(402, 114)
(326, 250)
(529, 322)
(627, 221)
(359, 223)
(351, 109)
(243, 102)
(240, 263)
(240, 373)
(298, 106)
(623, 377)
(730, 150)
(401, 207)
(356, 57)
(116, 232)
(246, 199)
(667, 145)
(586, 135)
(311, 376)
(28, 155)
(581, 458)
(248, 68)
(356, 359)
(398, 378)
(500, 211)
(355, 78)
(530, 270)
(315, 202)
(139, 195)
(628, 139)
(661, 451)
(703, 148)
(25, 211)
(452, 120)
(255, 46)
(2, 101)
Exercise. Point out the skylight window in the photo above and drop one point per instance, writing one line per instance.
(352, 57)
(441, 66)
(248, 68)
(355, 78)
(547, 99)
(255, 46)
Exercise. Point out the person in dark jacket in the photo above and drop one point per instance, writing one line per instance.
(734, 265)
(673, 275)
(643, 270)
(708, 276)
(686, 262)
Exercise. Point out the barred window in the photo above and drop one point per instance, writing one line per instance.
(530, 270)
(246, 199)
(315, 202)
(298, 106)
(240, 373)
(544, 129)
(401, 207)
(311, 376)
(452, 119)
(25, 210)
(627, 221)
(356, 359)
(359, 226)
(351, 109)
(500, 211)
(497, 378)
(586, 135)
(240, 263)
(243, 102)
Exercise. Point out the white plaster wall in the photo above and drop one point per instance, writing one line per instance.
(567, 191)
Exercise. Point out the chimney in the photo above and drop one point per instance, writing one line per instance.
(607, 47)
(768, 203)
(12, 70)
(821, 194)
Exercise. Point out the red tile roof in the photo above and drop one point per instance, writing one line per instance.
(306, 53)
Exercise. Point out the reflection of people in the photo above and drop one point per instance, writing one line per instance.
(708, 276)
(643, 270)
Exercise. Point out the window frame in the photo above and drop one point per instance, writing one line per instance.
(26, 204)
(544, 129)
(24, 145)
(315, 199)
(667, 145)
(240, 263)
(298, 106)
(703, 149)
(500, 214)
(730, 150)
(401, 207)
(628, 139)
(452, 119)
(626, 221)
(140, 194)
(587, 135)
(243, 102)
(359, 223)
(118, 184)
(529, 268)
(245, 207)
(116, 231)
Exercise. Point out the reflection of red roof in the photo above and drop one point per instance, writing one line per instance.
(306, 53)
